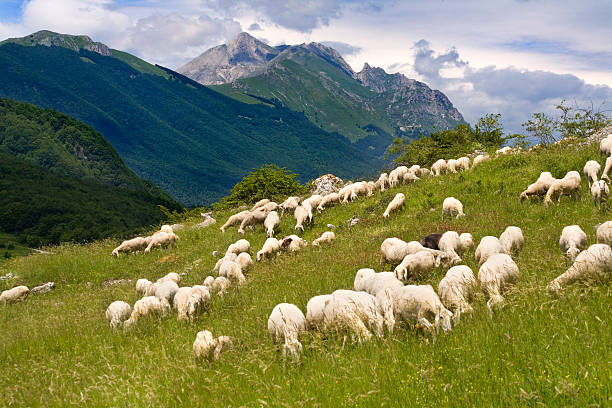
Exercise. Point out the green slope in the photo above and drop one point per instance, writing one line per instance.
(191, 141)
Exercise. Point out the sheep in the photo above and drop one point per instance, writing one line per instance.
(285, 324)
(607, 168)
(419, 264)
(497, 272)
(238, 247)
(605, 146)
(600, 193)
(206, 347)
(145, 307)
(293, 243)
(327, 236)
(328, 199)
(568, 185)
(190, 301)
(315, 308)
(245, 261)
(431, 241)
(355, 312)
(410, 177)
(416, 303)
(503, 150)
(162, 240)
(540, 187)
(591, 169)
(466, 242)
(142, 285)
(166, 290)
(234, 220)
(424, 172)
(393, 251)
(220, 285)
(166, 228)
(488, 246)
(229, 256)
(604, 233)
(451, 166)
(231, 270)
(171, 276)
(313, 201)
(209, 281)
(131, 245)
(382, 181)
(253, 218)
(260, 203)
(512, 240)
(572, 241)
(593, 263)
(462, 163)
(367, 280)
(398, 202)
(456, 289)
(271, 206)
(396, 175)
(118, 312)
(301, 215)
(289, 204)
(451, 241)
(270, 247)
(272, 221)
(481, 158)
(438, 167)
(452, 206)
(16, 294)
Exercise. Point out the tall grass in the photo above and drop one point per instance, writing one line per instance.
(57, 350)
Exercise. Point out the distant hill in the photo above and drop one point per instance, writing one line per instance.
(370, 107)
(191, 141)
(61, 181)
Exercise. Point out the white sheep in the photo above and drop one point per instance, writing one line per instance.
(190, 301)
(166, 228)
(512, 240)
(568, 185)
(605, 146)
(355, 312)
(383, 181)
(171, 276)
(590, 170)
(142, 285)
(162, 240)
(452, 207)
(245, 261)
(166, 290)
(271, 222)
(131, 245)
(289, 204)
(328, 199)
(420, 264)
(600, 192)
(410, 177)
(232, 271)
(593, 263)
(327, 236)
(238, 247)
(604, 233)
(271, 206)
(457, 289)
(313, 201)
(293, 243)
(607, 167)
(234, 220)
(148, 306)
(396, 175)
(367, 280)
(229, 256)
(206, 347)
(15, 294)
(466, 242)
(398, 202)
(259, 204)
(270, 248)
(495, 274)
(451, 166)
(451, 241)
(220, 285)
(462, 163)
(573, 240)
(393, 251)
(438, 167)
(488, 246)
(254, 218)
(503, 150)
(301, 215)
(540, 187)
(285, 324)
(481, 158)
(118, 312)
(315, 309)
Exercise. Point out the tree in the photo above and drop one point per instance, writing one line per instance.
(541, 127)
(489, 130)
(580, 122)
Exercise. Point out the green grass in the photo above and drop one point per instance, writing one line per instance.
(57, 350)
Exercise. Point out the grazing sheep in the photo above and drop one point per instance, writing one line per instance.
(142, 285)
(494, 275)
(396, 175)
(238, 247)
(289, 204)
(503, 150)
(451, 241)
(15, 294)
(253, 218)
(301, 216)
(568, 185)
(438, 167)
(206, 347)
(431, 241)
(488, 246)
(165, 228)
(512, 240)
(573, 240)
(315, 308)
(131, 245)
(118, 312)
(420, 264)
(293, 243)
(398, 202)
(245, 261)
(456, 290)
(540, 187)
(600, 193)
(313, 201)
(189, 302)
(451, 207)
(285, 324)
(148, 306)
(231, 270)
(410, 177)
(605, 146)
(180, 297)
(382, 181)
(593, 263)
(355, 312)
(162, 240)
(166, 290)
(327, 236)
(209, 281)
(423, 172)
(235, 220)
(270, 248)
(260, 203)
(466, 242)
(591, 169)
(271, 206)
(220, 285)
(367, 280)
(328, 199)
(393, 251)
(481, 158)
(229, 256)
(462, 163)
(604, 233)
(172, 276)
(607, 168)
(416, 303)
(271, 222)
(451, 165)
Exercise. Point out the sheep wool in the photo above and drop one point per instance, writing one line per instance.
(15, 294)
(604, 233)
(148, 306)
(568, 185)
(355, 312)
(495, 274)
(591, 170)
(540, 187)
(456, 290)
(285, 324)
(118, 312)
(269, 249)
(398, 202)
(595, 263)
(271, 222)
(512, 240)
(315, 311)
(573, 240)
(326, 237)
(206, 347)
(452, 207)
(245, 261)
(234, 220)
(488, 246)
(420, 264)
(131, 245)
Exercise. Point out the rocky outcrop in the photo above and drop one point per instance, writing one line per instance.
(51, 39)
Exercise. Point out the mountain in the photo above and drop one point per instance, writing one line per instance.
(188, 139)
(370, 107)
(62, 181)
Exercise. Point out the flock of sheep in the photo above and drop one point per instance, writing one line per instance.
(377, 300)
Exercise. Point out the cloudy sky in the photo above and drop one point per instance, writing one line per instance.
(512, 57)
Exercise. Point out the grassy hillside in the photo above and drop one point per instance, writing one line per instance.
(191, 141)
(57, 350)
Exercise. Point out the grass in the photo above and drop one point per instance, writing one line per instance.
(57, 350)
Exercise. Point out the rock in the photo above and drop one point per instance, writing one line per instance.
(215, 254)
(206, 223)
(326, 184)
(330, 226)
(7, 276)
(44, 288)
(177, 227)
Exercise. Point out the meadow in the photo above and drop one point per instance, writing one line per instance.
(539, 350)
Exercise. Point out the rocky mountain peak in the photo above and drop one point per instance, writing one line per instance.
(331, 56)
(51, 39)
(378, 80)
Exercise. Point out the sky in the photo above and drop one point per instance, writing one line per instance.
(513, 57)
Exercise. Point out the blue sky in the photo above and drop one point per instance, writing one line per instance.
(507, 56)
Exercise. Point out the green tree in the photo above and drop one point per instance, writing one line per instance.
(489, 130)
(580, 122)
(541, 126)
